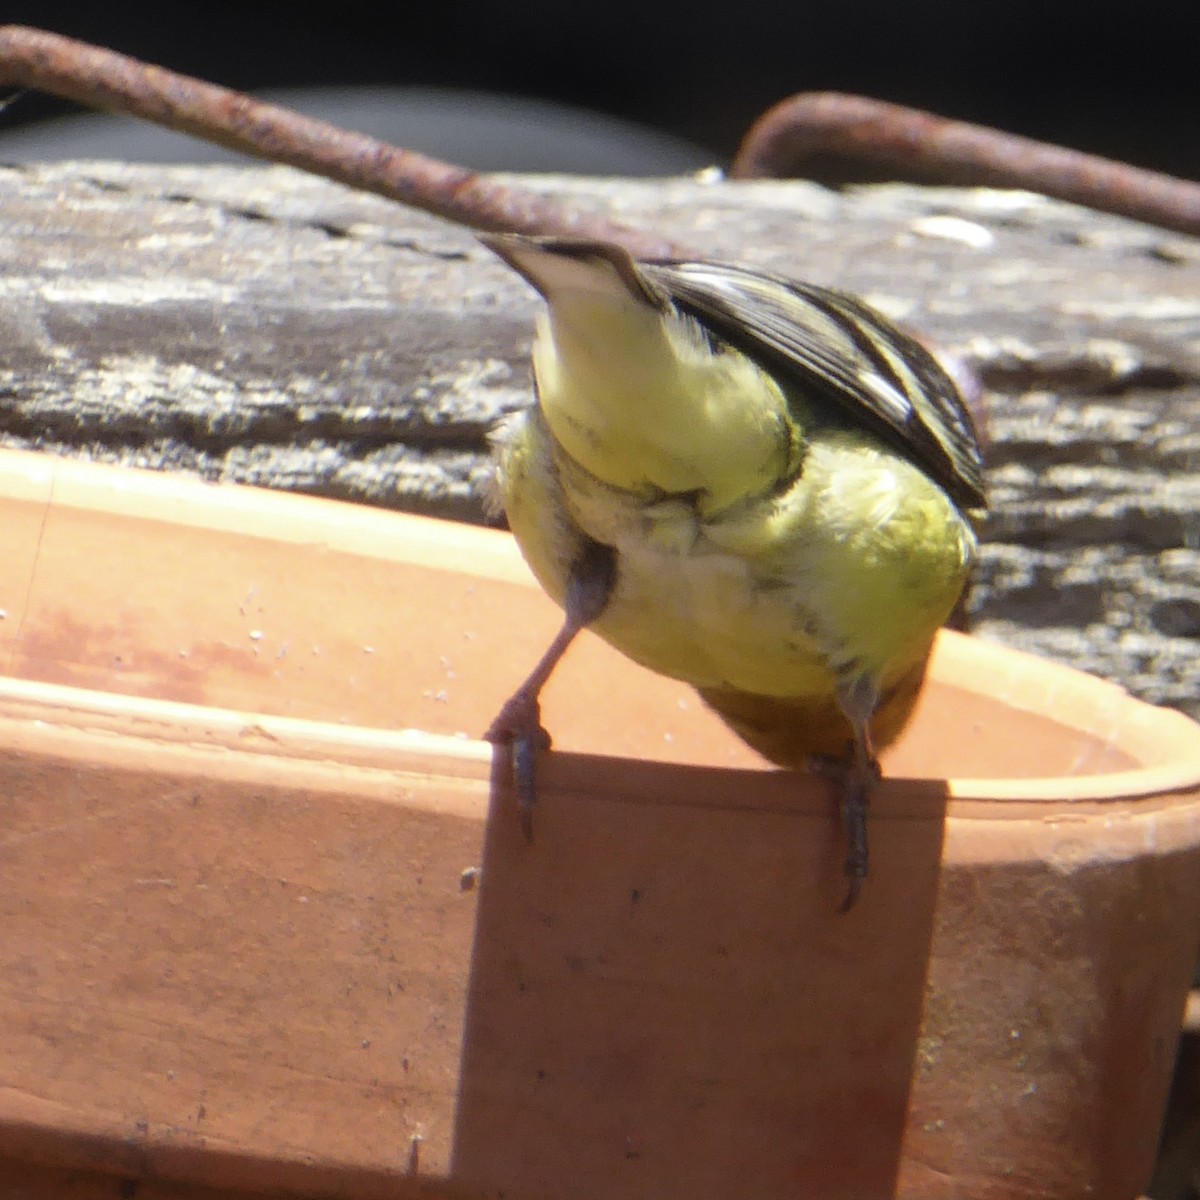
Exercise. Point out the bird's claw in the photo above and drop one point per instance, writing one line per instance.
(855, 781)
(519, 727)
(854, 822)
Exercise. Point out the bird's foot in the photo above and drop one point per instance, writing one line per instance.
(854, 780)
(518, 726)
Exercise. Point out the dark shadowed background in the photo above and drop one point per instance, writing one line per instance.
(1116, 79)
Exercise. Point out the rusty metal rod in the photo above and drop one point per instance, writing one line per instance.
(99, 78)
(911, 141)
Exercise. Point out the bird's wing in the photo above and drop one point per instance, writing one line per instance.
(815, 338)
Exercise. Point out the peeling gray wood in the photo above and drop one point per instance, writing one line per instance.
(262, 326)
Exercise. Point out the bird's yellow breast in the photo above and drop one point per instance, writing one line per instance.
(642, 403)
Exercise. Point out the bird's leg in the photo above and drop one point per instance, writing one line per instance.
(855, 778)
(860, 776)
(518, 725)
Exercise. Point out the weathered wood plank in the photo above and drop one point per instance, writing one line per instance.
(263, 326)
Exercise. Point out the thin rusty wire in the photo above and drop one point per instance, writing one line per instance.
(911, 141)
(99, 78)
(807, 125)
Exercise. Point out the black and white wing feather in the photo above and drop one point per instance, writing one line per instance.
(816, 338)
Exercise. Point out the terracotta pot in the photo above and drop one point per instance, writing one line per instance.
(243, 946)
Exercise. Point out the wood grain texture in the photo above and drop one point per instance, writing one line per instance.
(262, 326)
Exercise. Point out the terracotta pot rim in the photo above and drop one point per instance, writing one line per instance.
(1170, 737)
(94, 726)
(28, 709)
(280, 516)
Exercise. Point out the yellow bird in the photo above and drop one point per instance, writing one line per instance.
(757, 486)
